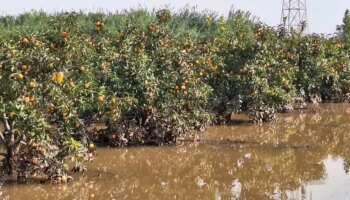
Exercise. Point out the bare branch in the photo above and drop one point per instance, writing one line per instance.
(12, 139)
(18, 140)
(16, 148)
(2, 139)
(7, 126)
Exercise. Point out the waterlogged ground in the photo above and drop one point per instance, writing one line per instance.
(302, 156)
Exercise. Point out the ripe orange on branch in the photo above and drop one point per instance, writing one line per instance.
(25, 67)
(214, 68)
(82, 69)
(100, 98)
(64, 34)
(113, 100)
(25, 41)
(31, 85)
(26, 99)
(20, 76)
(152, 28)
(51, 106)
(59, 76)
(87, 85)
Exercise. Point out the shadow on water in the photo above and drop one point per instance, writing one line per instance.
(303, 155)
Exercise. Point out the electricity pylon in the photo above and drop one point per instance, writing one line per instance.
(294, 15)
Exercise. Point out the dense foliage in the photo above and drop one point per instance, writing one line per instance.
(131, 78)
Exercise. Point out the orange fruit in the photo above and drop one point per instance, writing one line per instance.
(31, 85)
(77, 125)
(34, 161)
(37, 45)
(31, 98)
(25, 41)
(82, 69)
(24, 67)
(174, 117)
(151, 28)
(51, 106)
(26, 99)
(113, 100)
(20, 76)
(87, 85)
(100, 98)
(64, 34)
(59, 77)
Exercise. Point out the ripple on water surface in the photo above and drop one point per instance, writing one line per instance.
(303, 155)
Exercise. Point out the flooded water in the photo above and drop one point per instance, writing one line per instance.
(304, 155)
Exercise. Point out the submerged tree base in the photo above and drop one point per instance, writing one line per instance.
(148, 78)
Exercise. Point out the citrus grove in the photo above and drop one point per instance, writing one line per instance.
(70, 80)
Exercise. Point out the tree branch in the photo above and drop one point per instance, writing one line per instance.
(18, 140)
(11, 140)
(2, 139)
(7, 126)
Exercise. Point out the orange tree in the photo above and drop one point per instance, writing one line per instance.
(149, 74)
(39, 109)
(250, 69)
(140, 84)
(322, 65)
(146, 78)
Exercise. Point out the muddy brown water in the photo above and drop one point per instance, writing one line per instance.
(304, 155)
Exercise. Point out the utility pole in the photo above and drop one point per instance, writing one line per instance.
(294, 15)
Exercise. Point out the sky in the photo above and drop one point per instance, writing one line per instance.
(323, 15)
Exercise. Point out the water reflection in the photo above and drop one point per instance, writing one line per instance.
(301, 156)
